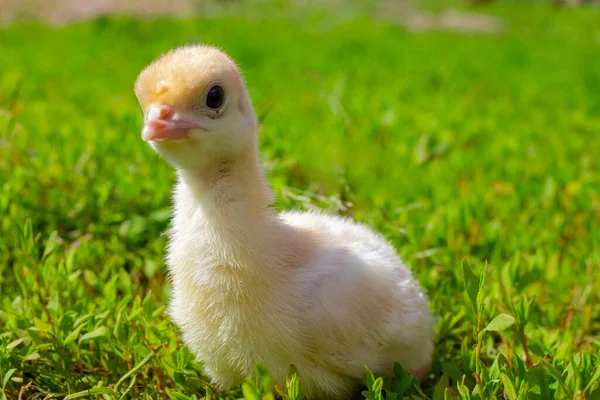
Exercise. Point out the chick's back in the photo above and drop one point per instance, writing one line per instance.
(364, 307)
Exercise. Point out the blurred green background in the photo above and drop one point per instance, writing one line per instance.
(460, 130)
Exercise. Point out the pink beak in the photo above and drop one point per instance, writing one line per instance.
(160, 125)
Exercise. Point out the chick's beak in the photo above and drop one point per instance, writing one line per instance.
(160, 124)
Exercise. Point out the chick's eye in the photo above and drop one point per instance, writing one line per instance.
(215, 97)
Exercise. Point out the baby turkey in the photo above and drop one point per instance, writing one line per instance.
(251, 285)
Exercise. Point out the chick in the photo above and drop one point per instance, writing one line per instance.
(251, 285)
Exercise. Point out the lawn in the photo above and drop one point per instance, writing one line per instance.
(465, 150)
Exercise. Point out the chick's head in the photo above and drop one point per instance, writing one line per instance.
(196, 107)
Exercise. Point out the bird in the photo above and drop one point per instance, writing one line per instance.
(253, 285)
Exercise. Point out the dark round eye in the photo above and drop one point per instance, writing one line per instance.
(215, 97)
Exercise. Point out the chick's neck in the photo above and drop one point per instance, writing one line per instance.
(225, 207)
(230, 187)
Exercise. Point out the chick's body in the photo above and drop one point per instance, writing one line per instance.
(251, 285)
(320, 292)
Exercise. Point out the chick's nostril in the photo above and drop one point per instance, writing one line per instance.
(165, 112)
(160, 112)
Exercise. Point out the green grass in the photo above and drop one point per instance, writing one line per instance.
(454, 146)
